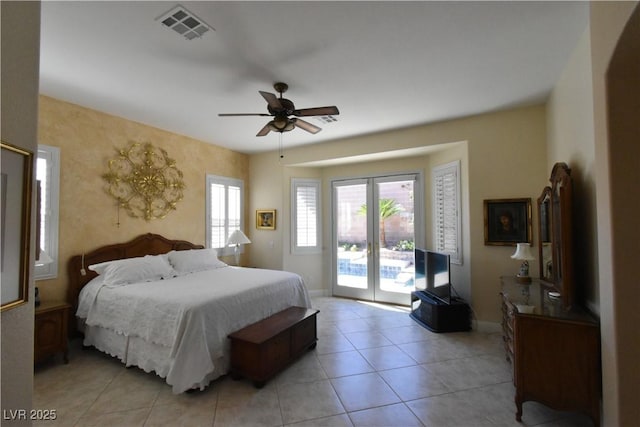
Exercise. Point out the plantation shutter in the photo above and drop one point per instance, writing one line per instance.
(48, 174)
(234, 212)
(446, 202)
(218, 210)
(224, 207)
(306, 220)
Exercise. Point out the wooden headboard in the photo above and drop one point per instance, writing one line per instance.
(146, 244)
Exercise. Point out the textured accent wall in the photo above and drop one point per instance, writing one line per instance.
(88, 215)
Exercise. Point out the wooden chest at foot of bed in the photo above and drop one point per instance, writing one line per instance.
(261, 350)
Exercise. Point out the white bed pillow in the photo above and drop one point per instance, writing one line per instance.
(133, 270)
(193, 260)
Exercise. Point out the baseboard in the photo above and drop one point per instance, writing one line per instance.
(318, 293)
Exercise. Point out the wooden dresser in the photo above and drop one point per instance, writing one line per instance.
(555, 352)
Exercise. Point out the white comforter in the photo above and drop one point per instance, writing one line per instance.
(191, 314)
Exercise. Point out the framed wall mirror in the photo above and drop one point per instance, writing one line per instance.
(15, 221)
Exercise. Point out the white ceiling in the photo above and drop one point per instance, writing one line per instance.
(385, 65)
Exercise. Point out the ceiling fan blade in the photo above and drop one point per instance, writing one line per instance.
(272, 100)
(318, 111)
(265, 130)
(243, 114)
(306, 126)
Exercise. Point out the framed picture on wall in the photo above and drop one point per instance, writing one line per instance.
(507, 221)
(266, 219)
(15, 211)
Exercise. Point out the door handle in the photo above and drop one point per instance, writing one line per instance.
(369, 248)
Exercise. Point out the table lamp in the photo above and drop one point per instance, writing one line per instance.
(523, 252)
(237, 238)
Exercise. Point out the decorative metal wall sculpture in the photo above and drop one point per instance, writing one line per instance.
(144, 181)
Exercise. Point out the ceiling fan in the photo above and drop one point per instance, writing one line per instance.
(281, 109)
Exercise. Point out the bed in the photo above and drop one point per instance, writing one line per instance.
(172, 322)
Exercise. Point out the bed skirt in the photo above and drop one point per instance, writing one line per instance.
(150, 357)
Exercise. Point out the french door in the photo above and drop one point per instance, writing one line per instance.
(377, 223)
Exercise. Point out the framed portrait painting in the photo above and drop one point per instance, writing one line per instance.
(507, 221)
(266, 219)
(15, 221)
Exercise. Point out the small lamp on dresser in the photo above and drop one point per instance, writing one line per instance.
(236, 239)
(523, 253)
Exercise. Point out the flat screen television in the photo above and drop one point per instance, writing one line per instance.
(433, 274)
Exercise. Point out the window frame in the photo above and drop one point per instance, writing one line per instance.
(437, 172)
(52, 213)
(317, 185)
(226, 182)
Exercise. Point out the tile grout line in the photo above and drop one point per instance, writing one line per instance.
(96, 399)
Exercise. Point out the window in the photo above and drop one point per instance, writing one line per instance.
(48, 175)
(446, 210)
(305, 214)
(224, 206)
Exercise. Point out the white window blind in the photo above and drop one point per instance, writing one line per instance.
(234, 211)
(224, 206)
(48, 174)
(446, 210)
(305, 206)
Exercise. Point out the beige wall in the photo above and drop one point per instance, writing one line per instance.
(88, 139)
(617, 174)
(506, 159)
(20, 55)
(571, 140)
(266, 245)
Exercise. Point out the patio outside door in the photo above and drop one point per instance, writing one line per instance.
(374, 234)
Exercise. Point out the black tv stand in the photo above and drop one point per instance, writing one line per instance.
(438, 316)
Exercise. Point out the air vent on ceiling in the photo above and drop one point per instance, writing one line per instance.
(184, 23)
(326, 119)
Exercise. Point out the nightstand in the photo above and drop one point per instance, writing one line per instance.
(50, 330)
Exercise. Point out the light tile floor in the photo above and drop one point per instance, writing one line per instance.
(373, 366)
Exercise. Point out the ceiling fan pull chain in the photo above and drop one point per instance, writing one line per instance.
(280, 149)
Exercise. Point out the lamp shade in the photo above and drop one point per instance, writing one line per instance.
(523, 252)
(238, 238)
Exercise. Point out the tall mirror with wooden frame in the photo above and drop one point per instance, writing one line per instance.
(545, 253)
(554, 218)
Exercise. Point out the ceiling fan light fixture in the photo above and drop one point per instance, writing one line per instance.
(281, 124)
(281, 108)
